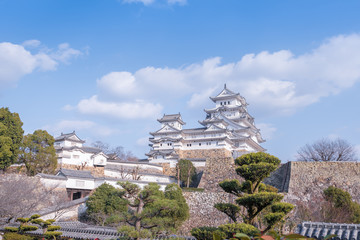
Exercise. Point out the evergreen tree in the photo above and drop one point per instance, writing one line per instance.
(253, 195)
(104, 203)
(152, 211)
(11, 134)
(38, 153)
(185, 171)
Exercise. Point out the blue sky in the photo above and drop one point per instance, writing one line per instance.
(109, 69)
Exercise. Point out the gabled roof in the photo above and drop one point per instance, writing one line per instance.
(171, 118)
(166, 125)
(227, 94)
(75, 173)
(70, 137)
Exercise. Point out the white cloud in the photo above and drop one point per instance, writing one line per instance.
(143, 141)
(31, 43)
(66, 126)
(199, 99)
(149, 2)
(119, 110)
(145, 2)
(118, 83)
(274, 83)
(16, 61)
(267, 130)
(65, 53)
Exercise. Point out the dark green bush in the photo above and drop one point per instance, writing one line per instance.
(190, 189)
(16, 236)
(206, 233)
(230, 229)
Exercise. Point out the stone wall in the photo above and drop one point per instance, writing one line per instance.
(202, 211)
(307, 180)
(204, 153)
(217, 170)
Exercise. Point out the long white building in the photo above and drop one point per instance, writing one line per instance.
(228, 129)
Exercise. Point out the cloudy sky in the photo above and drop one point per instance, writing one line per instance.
(109, 69)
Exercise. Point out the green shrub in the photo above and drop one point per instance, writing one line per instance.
(190, 189)
(16, 236)
(206, 233)
(230, 229)
(12, 229)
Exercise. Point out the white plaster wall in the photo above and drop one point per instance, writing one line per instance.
(79, 183)
(142, 166)
(53, 183)
(99, 159)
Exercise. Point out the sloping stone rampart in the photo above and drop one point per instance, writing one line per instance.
(217, 170)
(308, 180)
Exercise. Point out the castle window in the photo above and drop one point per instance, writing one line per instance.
(220, 103)
(199, 144)
(160, 144)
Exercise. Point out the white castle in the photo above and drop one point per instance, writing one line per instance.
(228, 127)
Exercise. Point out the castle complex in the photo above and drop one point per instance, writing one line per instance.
(228, 130)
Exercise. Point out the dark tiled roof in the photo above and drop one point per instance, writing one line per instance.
(75, 173)
(171, 117)
(319, 230)
(59, 177)
(79, 230)
(84, 148)
(64, 136)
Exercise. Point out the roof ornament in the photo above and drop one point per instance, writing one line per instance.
(224, 85)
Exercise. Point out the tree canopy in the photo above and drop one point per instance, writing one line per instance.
(11, 134)
(104, 203)
(38, 153)
(142, 212)
(253, 195)
(327, 150)
(185, 171)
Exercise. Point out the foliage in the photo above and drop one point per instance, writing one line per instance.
(206, 233)
(37, 152)
(118, 151)
(11, 134)
(327, 150)
(153, 210)
(232, 228)
(185, 171)
(337, 196)
(16, 236)
(191, 189)
(254, 196)
(105, 202)
(342, 200)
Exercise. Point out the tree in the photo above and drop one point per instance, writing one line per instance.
(185, 171)
(327, 150)
(118, 151)
(253, 195)
(104, 203)
(152, 211)
(21, 195)
(38, 153)
(11, 134)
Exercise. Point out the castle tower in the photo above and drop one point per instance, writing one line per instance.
(228, 129)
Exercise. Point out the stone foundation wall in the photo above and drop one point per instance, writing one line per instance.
(206, 153)
(202, 211)
(309, 179)
(217, 170)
